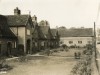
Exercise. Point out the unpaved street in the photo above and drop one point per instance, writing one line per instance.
(44, 65)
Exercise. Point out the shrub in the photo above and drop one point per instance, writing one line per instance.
(89, 46)
(64, 46)
(55, 50)
(72, 46)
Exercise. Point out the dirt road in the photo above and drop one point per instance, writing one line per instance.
(43, 65)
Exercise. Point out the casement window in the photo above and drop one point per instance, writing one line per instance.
(36, 44)
(89, 42)
(42, 43)
(13, 44)
(79, 42)
(28, 32)
(61, 42)
(70, 42)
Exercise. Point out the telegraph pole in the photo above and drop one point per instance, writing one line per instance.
(95, 40)
(17, 39)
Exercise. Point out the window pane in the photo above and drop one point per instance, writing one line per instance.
(70, 42)
(80, 42)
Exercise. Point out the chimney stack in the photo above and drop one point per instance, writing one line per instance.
(34, 18)
(17, 11)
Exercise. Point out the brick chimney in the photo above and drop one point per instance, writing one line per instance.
(17, 11)
(34, 18)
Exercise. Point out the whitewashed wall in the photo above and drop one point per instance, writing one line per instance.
(21, 35)
(85, 40)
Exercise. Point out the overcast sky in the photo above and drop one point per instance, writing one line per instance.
(69, 13)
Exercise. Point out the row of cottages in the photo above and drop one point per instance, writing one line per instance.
(56, 38)
(47, 38)
(39, 37)
(76, 37)
(45, 28)
(25, 34)
(7, 38)
(22, 27)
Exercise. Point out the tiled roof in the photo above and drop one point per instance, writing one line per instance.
(76, 32)
(46, 31)
(17, 20)
(54, 32)
(37, 33)
(40, 34)
(5, 31)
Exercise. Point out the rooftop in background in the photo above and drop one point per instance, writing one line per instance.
(54, 32)
(17, 20)
(75, 32)
(44, 29)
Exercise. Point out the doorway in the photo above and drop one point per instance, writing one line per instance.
(0, 49)
(28, 46)
(9, 48)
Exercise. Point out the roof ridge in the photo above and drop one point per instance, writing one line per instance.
(17, 20)
(27, 19)
(17, 15)
(76, 32)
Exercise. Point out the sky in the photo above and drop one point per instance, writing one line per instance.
(68, 13)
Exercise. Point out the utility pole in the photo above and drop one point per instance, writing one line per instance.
(95, 40)
(17, 38)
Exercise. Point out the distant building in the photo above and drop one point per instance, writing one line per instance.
(47, 34)
(8, 40)
(22, 27)
(45, 28)
(38, 36)
(78, 37)
(98, 35)
(56, 38)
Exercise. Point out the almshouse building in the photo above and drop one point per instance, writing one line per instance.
(78, 37)
(56, 38)
(27, 35)
(38, 36)
(45, 28)
(8, 40)
(22, 27)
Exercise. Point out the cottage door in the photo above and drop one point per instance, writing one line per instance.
(28, 46)
(9, 47)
